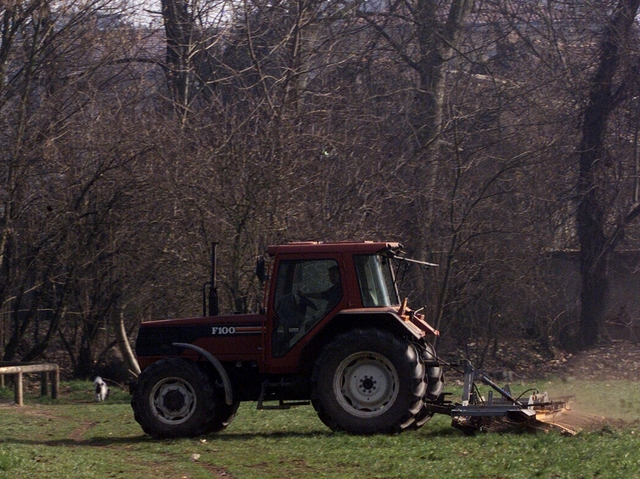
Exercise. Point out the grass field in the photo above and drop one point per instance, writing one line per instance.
(75, 437)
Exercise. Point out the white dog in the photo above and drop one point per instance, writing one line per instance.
(102, 391)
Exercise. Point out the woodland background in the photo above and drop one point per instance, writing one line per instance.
(488, 136)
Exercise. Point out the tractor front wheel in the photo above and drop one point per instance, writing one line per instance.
(175, 398)
(368, 381)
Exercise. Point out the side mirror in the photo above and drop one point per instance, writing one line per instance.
(261, 269)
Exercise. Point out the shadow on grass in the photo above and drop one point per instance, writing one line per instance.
(95, 441)
(48, 401)
(106, 441)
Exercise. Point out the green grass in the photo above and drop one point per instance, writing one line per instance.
(77, 437)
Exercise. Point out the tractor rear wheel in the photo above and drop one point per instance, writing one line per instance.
(434, 378)
(175, 398)
(368, 381)
(434, 374)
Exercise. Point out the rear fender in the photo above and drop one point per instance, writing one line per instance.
(359, 318)
(388, 319)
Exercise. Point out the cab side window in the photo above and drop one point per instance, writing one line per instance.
(306, 291)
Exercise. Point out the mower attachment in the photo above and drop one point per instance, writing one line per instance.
(476, 413)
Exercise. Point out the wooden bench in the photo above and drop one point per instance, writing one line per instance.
(46, 370)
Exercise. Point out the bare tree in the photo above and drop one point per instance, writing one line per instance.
(605, 94)
(68, 152)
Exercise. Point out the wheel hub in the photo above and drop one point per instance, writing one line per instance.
(173, 401)
(366, 384)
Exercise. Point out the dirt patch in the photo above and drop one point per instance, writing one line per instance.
(78, 433)
(525, 360)
(217, 472)
(614, 360)
(31, 410)
(572, 421)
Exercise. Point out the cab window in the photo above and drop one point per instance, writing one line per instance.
(375, 278)
(306, 291)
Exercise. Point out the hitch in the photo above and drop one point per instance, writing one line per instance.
(475, 412)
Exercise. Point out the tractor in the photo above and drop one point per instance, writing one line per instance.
(332, 332)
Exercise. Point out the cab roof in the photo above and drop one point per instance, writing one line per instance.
(358, 247)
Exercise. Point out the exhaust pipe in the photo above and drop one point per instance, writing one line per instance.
(214, 308)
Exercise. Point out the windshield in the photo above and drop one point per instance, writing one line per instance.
(375, 278)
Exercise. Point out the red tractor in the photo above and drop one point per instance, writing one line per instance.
(332, 331)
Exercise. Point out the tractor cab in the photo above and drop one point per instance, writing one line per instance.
(308, 290)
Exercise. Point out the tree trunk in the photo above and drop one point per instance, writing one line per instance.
(437, 43)
(594, 247)
(178, 26)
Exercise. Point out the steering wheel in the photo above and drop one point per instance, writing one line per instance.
(305, 302)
